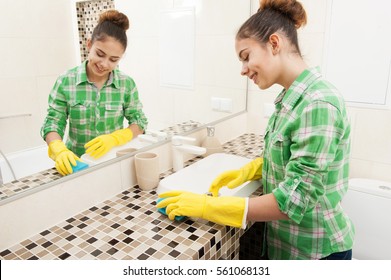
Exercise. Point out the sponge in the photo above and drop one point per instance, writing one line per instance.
(79, 166)
(163, 211)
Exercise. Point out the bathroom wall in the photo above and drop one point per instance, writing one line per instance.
(371, 132)
(215, 60)
(36, 47)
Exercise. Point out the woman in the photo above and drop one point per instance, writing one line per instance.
(305, 166)
(95, 97)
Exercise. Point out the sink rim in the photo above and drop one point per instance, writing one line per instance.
(180, 179)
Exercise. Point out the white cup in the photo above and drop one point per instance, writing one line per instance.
(125, 151)
(147, 170)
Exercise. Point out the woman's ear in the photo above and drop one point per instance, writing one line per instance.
(275, 43)
(89, 44)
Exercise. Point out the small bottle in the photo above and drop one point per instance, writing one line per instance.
(211, 143)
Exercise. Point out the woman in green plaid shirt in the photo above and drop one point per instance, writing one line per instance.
(94, 97)
(305, 165)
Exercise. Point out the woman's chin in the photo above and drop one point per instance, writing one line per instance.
(263, 86)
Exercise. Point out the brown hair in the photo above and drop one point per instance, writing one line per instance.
(114, 24)
(285, 16)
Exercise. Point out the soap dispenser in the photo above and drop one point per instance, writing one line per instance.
(211, 143)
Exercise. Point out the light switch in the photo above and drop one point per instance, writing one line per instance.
(215, 103)
(226, 105)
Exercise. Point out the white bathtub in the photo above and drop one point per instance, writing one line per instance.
(25, 163)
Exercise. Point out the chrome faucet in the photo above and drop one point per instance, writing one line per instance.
(179, 148)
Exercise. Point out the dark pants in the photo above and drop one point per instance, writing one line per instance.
(346, 255)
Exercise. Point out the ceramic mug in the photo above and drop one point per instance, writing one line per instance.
(125, 152)
(147, 170)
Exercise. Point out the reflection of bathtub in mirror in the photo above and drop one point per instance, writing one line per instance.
(24, 163)
(34, 168)
(30, 161)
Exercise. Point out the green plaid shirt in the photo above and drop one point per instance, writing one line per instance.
(91, 112)
(306, 167)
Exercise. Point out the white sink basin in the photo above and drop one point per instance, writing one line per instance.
(198, 176)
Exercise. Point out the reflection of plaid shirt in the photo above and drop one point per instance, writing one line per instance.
(306, 167)
(91, 112)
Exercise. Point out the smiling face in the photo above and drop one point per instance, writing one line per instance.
(258, 62)
(103, 57)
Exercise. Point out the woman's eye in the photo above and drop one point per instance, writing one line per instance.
(99, 54)
(244, 57)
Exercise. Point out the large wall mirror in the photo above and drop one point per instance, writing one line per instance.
(41, 39)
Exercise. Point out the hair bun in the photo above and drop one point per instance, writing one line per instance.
(116, 18)
(290, 8)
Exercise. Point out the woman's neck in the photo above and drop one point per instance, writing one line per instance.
(292, 68)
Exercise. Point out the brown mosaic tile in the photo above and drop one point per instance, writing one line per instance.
(87, 17)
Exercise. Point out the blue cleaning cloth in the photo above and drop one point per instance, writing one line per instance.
(163, 211)
(79, 166)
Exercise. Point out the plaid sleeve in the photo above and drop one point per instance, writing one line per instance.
(133, 110)
(316, 136)
(56, 118)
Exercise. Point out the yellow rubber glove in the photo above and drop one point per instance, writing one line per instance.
(64, 158)
(100, 145)
(224, 210)
(234, 178)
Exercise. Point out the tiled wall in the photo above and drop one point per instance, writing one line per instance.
(216, 64)
(87, 17)
(36, 41)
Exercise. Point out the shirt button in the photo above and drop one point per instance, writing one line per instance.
(296, 181)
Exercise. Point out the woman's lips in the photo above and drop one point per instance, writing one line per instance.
(99, 70)
(254, 77)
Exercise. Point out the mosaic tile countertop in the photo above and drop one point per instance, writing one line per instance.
(128, 226)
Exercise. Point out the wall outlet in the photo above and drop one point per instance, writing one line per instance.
(215, 103)
(226, 105)
(221, 104)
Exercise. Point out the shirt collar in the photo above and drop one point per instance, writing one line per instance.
(288, 98)
(82, 75)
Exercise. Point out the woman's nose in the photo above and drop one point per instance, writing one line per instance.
(244, 70)
(105, 63)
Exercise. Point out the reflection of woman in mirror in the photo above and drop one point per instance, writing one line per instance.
(95, 97)
(305, 165)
